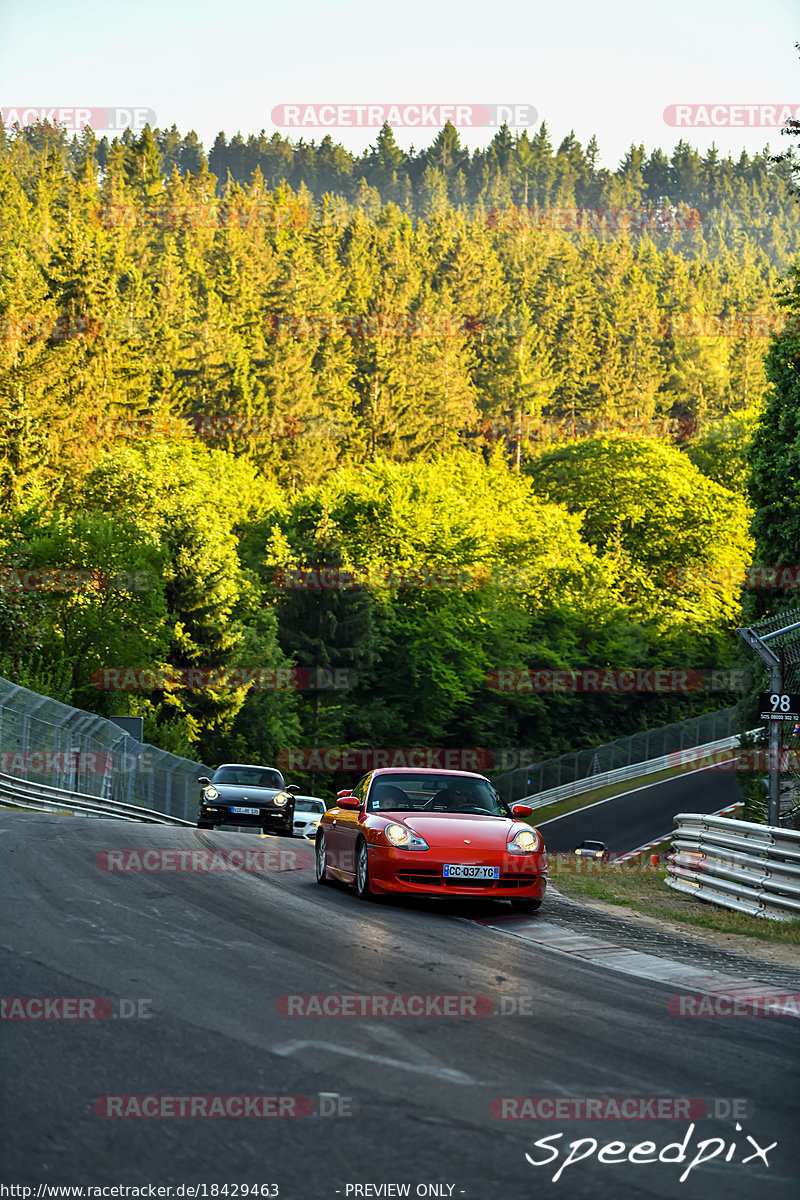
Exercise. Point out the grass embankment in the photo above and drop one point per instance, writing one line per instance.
(584, 799)
(634, 884)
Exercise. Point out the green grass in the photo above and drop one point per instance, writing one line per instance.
(559, 809)
(608, 790)
(56, 812)
(630, 886)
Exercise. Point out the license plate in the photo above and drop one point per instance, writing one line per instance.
(458, 871)
(246, 812)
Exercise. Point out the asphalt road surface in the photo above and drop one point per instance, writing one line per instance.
(208, 955)
(641, 816)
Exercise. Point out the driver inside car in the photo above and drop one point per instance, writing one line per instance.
(455, 798)
(387, 796)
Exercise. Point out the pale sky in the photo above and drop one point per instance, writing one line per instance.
(608, 67)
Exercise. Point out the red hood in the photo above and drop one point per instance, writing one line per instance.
(442, 830)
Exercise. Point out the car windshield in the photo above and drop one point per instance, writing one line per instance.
(254, 777)
(408, 792)
(592, 846)
(306, 804)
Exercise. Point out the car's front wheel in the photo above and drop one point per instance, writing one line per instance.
(526, 905)
(363, 890)
(205, 824)
(321, 861)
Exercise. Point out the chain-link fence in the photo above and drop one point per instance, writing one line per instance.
(638, 747)
(47, 742)
(786, 645)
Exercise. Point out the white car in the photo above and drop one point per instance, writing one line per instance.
(308, 811)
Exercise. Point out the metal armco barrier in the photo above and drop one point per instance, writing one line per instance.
(678, 759)
(47, 744)
(22, 793)
(752, 868)
(637, 748)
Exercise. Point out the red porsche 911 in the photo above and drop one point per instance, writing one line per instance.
(431, 833)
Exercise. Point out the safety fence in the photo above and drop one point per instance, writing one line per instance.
(638, 749)
(754, 869)
(56, 748)
(697, 758)
(22, 793)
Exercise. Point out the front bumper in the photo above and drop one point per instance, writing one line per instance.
(277, 818)
(418, 872)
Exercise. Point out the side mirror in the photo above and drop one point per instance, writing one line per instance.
(348, 800)
(521, 810)
(293, 788)
(204, 779)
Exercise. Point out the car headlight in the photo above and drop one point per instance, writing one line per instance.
(210, 793)
(402, 837)
(526, 841)
(281, 800)
(598, 853)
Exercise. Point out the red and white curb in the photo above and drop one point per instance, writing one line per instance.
(747, 994)
(649, 845)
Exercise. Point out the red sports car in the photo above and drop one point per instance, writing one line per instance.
(431, 833)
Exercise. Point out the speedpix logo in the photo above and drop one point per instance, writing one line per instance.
(75, 119)
(616, 1153)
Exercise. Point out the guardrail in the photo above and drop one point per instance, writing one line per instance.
(538, 777)
(676, 758)
(51, 744)
(754, 869)
(23, 793)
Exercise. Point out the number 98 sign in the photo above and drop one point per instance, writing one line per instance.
(779, 706)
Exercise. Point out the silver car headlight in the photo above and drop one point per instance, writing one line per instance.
(402, 837)
(281, 799)
(210, 793)
(526, 841)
